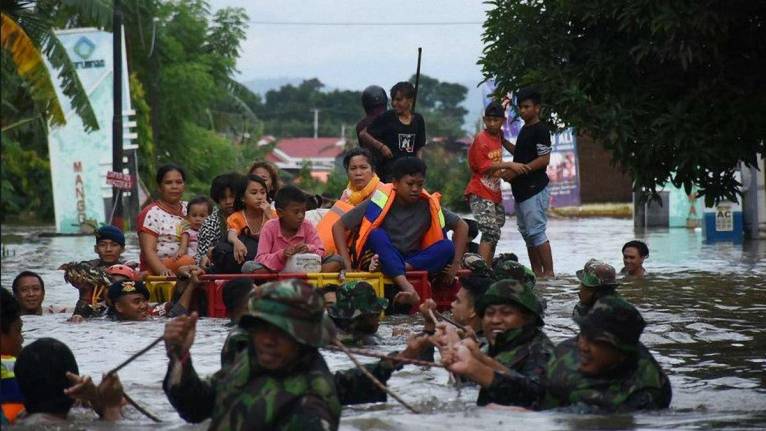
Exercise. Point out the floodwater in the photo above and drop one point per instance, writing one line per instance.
(705, 306)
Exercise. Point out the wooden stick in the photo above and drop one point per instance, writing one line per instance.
(371, 354)
(374, 380)
(141, 409)
(448, 320)
(417, 80)
(136, 355)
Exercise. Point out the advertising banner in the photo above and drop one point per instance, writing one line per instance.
(563, 169)
(80, 160)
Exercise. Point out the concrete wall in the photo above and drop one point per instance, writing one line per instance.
(599, 181)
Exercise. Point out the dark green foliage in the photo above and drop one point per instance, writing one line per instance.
(674, 90)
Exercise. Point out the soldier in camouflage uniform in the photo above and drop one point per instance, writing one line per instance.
(280, 382)
(504, 266)
(352, 386)
(512, 318)
(597, 280)
(606, 369)
(357, 313)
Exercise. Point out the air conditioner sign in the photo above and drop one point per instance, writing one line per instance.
(724, 218)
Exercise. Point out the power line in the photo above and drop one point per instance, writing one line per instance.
(367, 24)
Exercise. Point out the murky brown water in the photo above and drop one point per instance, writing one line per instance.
(705, 306)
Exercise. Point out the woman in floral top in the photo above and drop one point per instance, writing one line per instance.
(158, 224)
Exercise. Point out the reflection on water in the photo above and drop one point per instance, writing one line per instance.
(704, 304)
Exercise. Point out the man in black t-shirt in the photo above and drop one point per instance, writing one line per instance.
(396, 133)
(529, 184)
(375, 102)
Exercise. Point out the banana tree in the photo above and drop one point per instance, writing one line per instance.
(28, 38)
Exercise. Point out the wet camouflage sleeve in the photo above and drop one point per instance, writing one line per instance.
(354, 387)
(192, 397)
(641, 385)
(579, 312)
(524, 385)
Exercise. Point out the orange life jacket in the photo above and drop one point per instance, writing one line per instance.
(324, 228)
(380, 204)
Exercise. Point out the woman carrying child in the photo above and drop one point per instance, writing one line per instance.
(158, 223)
(252, 210)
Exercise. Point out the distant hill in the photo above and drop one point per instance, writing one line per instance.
(262, 86)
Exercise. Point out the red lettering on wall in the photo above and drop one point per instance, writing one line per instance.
(79, 192)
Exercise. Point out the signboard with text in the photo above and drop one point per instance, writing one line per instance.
(79, 160)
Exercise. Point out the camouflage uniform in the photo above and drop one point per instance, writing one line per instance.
(356, 299)
(352, 386)
(243, 395)
(597, 275)
(524, 351)
(503, 267)
(637, 384)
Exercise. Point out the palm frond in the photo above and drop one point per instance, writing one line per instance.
(31, 67)
(96, 11)
(70, 82)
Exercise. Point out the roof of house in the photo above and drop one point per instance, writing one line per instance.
(306, 148)
(289, 153)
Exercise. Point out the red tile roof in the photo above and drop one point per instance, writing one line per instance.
(306, 148)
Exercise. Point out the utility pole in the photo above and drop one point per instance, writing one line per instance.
(117, 219)
(316, 122)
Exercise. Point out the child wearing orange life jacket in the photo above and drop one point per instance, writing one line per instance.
(405, 226)
(10, 344)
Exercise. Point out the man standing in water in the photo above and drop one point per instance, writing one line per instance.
(29, 289)
(633, 255)
(280, 382)
(597, 280)
(529, 182)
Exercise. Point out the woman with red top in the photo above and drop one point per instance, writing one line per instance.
(158, 224)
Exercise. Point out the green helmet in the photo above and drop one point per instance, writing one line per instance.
(354, 299)
(615, 321)
(294, 307)
(510, 292)
(596, 273)
(507, 268)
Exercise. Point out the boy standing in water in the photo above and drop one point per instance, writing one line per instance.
(532, 153)
(485, 158)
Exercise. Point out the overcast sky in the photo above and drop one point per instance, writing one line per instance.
(352, 57)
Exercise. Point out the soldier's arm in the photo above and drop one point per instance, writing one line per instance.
(354, 387)
(313, 414)
(191, 396)
(513, 388)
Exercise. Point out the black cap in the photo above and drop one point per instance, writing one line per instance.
(494, 109)
(122, 288)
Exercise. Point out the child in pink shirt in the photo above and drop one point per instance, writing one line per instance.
(290, 234)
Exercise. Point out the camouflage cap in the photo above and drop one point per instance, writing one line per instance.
(477, 265)
(294, 307)
(510, 292)
(596, 273)
(508, 268)
(615, 321)
(356, 298)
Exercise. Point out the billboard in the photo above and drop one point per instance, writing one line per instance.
(80, 160)
(563, 169)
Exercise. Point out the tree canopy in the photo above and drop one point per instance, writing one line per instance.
(674, 90)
